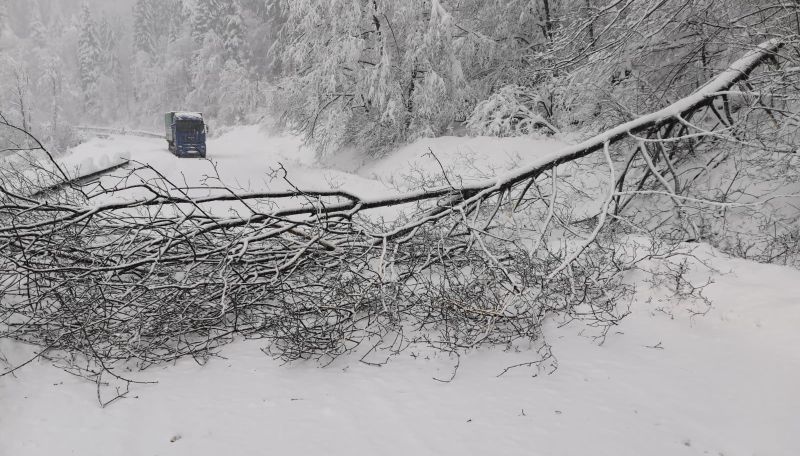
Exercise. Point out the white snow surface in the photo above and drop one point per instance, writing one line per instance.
(662, 383)
(94, 156)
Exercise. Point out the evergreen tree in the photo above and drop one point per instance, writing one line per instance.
(107, 40)
(38, 30)
(207, 69)
(56, 26)
(232, 31)
(178, 15)
(143, 33)
(89, 59)
(5, 30)
(224, 18)
(265, 26)
(204, 17)
(156, 24)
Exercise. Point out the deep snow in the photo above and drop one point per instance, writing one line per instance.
(663, 383)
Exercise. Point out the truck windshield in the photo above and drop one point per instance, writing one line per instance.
(189, 125)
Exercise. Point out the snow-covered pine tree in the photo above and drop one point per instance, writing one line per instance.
(204, 16)
(56, 26)
(107, 40)
(266, 36)
(224, 18)
(38, 31)
(144, 35)
(113, 86)
(178, 16)
(232, 31)
(89, 60)
(156, 24)
(5, 30)
(207, 68)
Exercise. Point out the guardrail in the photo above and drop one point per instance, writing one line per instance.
(119, 131)
(81, 179)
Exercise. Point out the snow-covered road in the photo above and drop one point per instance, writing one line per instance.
(662, 384)
(247, 159)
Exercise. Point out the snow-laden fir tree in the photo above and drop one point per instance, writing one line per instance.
(224, 18)
(89, 60)
(207, 66)
(156, 24)
(107, 41)
(264, 24)
(146, 26)
(204, 16)
(38, 31)
(5, 30)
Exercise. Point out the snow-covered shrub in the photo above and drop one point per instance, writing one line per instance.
(511, 111)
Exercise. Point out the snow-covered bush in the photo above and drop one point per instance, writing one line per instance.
(511, 111)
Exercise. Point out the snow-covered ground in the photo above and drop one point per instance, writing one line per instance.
(663, 383)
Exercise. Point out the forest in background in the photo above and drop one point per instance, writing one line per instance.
(124, 63)
(368, 74)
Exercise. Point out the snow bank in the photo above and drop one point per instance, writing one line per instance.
(88, 158)
(97, 154)
(468, 159)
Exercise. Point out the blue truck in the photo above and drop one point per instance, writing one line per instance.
(186, 134)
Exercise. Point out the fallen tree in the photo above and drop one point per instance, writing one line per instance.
(99, 281)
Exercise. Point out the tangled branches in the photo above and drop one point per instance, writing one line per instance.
(108, 278)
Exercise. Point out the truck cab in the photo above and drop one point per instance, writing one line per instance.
(186, 133)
